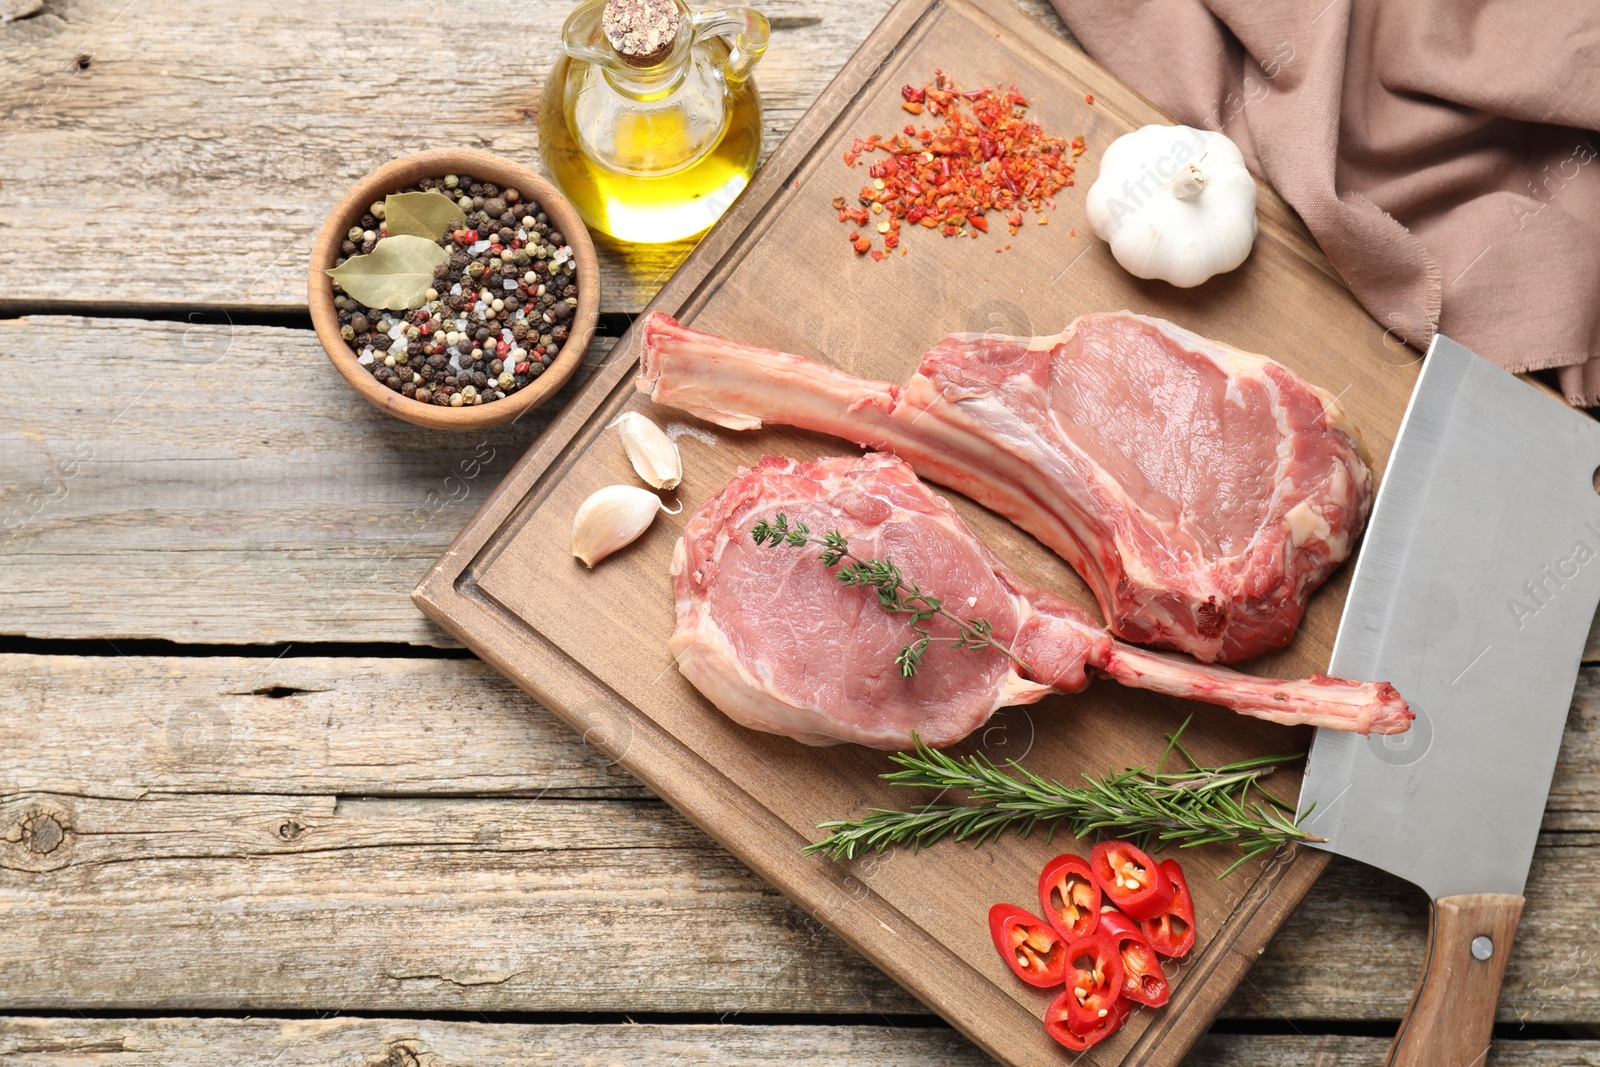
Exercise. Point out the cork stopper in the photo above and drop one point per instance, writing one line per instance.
(641, 31)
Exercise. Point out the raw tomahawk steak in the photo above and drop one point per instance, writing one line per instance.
(1202, 492)
(769, 636)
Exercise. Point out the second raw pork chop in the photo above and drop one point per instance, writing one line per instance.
(1201, 491)
(769, 635)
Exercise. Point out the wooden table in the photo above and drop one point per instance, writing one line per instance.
(254, 808)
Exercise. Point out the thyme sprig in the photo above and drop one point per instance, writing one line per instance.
(1198, 806)
(897, 594)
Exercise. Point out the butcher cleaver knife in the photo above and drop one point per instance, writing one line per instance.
(1473, 594)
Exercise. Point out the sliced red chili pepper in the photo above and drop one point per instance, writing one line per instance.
(1069, 895)
(1034, 952)
(1171, 932)
(1131, 879)
(1143, 980)
(1058, 1022)
(1094, 980)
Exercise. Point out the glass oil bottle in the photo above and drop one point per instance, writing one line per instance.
(650, 123)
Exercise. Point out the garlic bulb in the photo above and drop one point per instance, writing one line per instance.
(612, 518)
(652, 454)
(1175, 203)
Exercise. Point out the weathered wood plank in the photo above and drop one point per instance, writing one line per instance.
(209, 483)
(429, 904)
(181, 837)
(124, 728)
(281, 903)
(202, 1042)
(213, 483)
(205, 142)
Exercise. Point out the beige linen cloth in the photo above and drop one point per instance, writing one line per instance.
(1442, 152)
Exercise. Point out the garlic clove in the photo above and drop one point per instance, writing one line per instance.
(610, 519)
(651, 452)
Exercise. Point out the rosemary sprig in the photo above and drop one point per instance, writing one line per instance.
(1199, 806)
(896, 594)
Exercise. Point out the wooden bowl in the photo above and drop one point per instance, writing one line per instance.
(402, 174)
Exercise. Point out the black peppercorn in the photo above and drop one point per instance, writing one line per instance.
(559, 333)
(408, 389)
(561, 312)
(347, 247)
(555, 238)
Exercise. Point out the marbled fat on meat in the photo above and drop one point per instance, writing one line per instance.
(770, 637)
(1203, 492)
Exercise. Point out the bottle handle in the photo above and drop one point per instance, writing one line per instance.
(746, 32)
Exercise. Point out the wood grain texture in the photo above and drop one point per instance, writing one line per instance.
(346, 1042)
(276, 109)
(1451, 1016)
(124, 728)
(196, 843)
(213, 483)
(580, 642)
(188, 493)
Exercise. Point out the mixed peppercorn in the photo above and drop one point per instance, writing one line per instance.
(497, 314)
(985, 156)
(1107, 919)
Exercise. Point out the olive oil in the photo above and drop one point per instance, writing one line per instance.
(651, 197)
(654, 150)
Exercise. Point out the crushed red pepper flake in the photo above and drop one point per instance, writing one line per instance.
(986, 155)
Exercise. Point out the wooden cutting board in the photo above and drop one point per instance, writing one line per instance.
(778, 271)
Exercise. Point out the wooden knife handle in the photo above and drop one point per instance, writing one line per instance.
(1451, 1017)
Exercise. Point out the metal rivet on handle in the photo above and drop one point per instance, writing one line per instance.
(1482, 948)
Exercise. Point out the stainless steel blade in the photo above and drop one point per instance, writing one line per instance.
(1473, 594)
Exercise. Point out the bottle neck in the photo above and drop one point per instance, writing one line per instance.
(652, 82)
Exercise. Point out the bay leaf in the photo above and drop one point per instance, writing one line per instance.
(395, 275)
(423, 214)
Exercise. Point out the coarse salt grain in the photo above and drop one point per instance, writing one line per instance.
(478, 248)
(509, 284)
